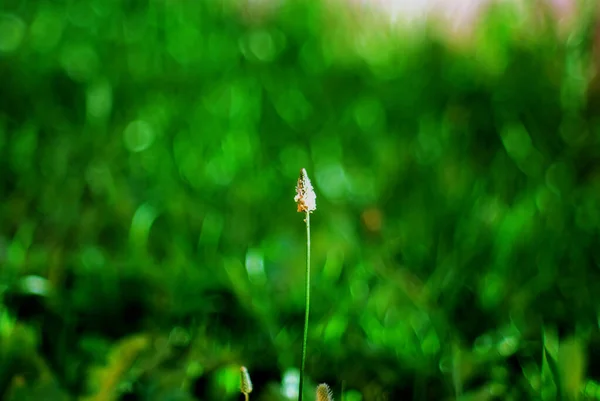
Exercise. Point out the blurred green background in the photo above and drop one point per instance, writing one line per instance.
(150, 245)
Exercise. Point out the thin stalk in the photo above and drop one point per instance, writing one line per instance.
(307, 306)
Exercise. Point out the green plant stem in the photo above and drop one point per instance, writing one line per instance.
(307, 306)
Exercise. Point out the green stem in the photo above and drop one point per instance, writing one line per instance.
(307, 306)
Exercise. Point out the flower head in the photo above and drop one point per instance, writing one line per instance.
(305, 194)
(324, 393)
(245, 382)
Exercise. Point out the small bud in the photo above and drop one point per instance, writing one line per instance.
(324, 393)
(305, 194)
(245, 383)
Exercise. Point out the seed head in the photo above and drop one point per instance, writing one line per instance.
(324, 393)
(245, 383)
(305, 194)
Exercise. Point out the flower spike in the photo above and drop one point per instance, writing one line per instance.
(305, 194)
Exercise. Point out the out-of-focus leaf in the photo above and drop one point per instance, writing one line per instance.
(571, 366)
(550, 375)
(109, 381)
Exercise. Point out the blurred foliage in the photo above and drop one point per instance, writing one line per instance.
(149, 242)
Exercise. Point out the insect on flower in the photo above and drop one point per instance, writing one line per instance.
(305, 194)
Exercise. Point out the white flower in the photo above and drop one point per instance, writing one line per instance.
(305, 194)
